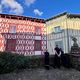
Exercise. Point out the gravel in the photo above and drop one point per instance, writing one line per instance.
(42, 74)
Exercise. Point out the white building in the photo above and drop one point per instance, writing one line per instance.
(60, 28)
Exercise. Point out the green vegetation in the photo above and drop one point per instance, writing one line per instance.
(12, 62)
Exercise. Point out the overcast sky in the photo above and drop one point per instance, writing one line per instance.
(39, 8)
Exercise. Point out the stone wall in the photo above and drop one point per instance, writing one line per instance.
(75, 60)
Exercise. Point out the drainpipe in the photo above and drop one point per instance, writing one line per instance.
(67, 34)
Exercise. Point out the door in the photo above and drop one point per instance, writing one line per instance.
(60, 44)
(10, 45)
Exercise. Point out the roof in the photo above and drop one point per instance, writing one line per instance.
(11, 16)
(56, 16)
(73, 15)
(65, 13)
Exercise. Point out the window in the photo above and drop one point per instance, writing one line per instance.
(12, 29)
(37, 30)
(37, 45)
(57, 29)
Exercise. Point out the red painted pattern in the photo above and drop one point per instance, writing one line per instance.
(23, 41)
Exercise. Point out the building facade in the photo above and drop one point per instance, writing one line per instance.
(22, 35)
(60, 28)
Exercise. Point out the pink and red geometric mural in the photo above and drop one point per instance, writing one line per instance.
(22, 35)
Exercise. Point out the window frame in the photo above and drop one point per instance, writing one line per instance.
(57, 29)
(12, 29)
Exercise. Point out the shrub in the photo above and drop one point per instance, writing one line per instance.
(11, 62)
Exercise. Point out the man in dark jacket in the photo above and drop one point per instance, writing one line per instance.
(46, 59)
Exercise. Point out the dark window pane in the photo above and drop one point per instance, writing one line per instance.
(10, 45)
(57, 29)
(38, 31)
(37, 45)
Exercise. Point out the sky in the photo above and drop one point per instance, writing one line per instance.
(39, 8)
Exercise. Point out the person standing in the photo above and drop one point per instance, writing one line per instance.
(65, 61)
(46, 58)
(62, 57)
(57, 57)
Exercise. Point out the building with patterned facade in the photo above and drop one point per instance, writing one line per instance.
(22, 35)
(60, 28)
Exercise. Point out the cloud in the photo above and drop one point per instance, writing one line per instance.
(14, 6)
(29, 2)
(37, 12)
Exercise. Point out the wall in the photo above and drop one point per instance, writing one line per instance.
(52, 37)
(70, 27)
(25, 33)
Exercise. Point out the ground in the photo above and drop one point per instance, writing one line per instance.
(42, 74)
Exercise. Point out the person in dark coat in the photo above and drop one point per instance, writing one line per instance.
(46, 58)
(57, 57)
(64, 59)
